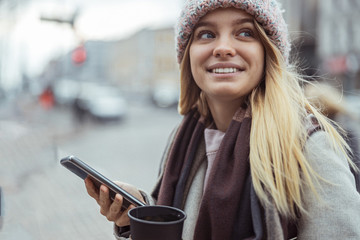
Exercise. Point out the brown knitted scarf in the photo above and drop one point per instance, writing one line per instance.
(219, 207)
(226, 210)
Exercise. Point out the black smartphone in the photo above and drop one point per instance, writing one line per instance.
(83, 170)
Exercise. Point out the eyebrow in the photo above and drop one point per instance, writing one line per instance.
(243, 20)
(235, 22)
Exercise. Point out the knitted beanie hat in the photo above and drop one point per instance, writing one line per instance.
(267, 13)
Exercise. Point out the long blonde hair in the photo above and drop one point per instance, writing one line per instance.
(279, 168)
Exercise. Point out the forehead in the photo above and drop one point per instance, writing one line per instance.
(225, 12)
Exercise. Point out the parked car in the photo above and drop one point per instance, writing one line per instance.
(165, 96)
(101, 102)
(65, 91)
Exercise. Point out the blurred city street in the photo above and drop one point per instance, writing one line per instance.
(42, 199)
(65, 66)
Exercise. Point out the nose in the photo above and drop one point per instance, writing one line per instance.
(224, 48)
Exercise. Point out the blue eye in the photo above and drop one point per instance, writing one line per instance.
(206, 35)
(246, 34)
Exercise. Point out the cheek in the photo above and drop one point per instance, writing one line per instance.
(260, 52)
(257, 57)
(198, 56)
(256, 52)
(194, 62)
(194, 65)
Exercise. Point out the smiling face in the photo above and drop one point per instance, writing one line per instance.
(226, 55)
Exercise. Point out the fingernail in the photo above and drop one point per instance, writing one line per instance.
(118, 197)
(103, 189)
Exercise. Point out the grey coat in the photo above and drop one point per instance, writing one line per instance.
(333, 214)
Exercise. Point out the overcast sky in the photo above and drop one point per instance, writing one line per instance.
(117, 18)
(112, 18)
(34, 42)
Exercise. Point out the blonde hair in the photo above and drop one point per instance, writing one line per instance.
(326, 98)
(279, 168)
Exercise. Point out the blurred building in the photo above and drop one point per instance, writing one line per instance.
(339, 40)
(326, 35)
(146, 60)
(301, 19)
(92, 67)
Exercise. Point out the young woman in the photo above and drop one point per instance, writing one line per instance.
(252, 159)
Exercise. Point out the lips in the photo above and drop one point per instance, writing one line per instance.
(225, 68)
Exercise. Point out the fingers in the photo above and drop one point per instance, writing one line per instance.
(115, 209)
(112, 209)
(116, 213)
(104, 200)
(91, 189)
(123, 219)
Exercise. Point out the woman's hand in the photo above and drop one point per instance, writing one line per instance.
(112, 209)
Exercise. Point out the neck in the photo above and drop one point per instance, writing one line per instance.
(223, 112)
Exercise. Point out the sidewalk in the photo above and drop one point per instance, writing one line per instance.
(36, 189)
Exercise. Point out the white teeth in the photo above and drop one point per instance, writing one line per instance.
(224, 70)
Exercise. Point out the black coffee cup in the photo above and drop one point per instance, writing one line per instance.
(156, 223)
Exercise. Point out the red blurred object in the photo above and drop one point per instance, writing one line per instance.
(47, 99)
(79, 55)
(337, 65)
